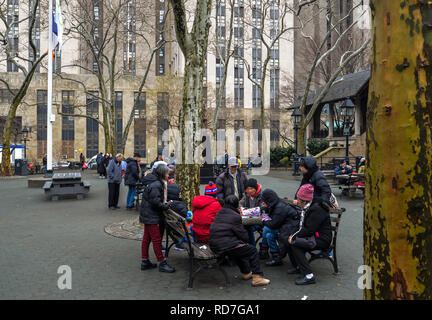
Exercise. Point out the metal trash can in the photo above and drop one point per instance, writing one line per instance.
(21, 167)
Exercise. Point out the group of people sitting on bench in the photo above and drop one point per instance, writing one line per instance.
(216, 219)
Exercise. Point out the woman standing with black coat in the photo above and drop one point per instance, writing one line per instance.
(151, 213)
(229, 237)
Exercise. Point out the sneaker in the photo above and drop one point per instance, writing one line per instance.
(165, 267)
(179, 247)
(112, 208)
(116, 207)
(146, 264)
(305, 281)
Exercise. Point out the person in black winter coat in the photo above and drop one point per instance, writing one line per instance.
(225, 181)
(177, 204)
(312, 175)
(154, 203)
(132, 177)
(229, 237)
(314, 233)
(284, 221)
(147, 180)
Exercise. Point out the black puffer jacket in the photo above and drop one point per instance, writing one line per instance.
(227, 231)
(152, 204)
(316, 222)
(284, 217)
(225, 184)
(177, 204)
(315, 177)
(149, 178)
(132, 172)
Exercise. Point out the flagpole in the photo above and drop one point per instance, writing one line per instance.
(49, 93)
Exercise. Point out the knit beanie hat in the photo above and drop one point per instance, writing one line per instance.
(210, 190)
(252, 183)
(306, 192)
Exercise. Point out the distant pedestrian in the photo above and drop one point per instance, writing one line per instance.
(82, 161)
(132, 177)
(114, 180)
(158, 158)
(44, 163)
(101, 169)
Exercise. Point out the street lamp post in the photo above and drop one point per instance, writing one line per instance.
(296, 115)
(25, 133)
(347, 110)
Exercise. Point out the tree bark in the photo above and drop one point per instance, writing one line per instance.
(398, 199)
(194, 48)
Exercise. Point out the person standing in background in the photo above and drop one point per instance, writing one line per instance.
(132, 177)
(114, 179)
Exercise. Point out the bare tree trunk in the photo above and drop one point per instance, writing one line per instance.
(194, 48)
(398, 201)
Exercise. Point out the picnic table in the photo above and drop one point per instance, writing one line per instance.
(350, 185)
(66, 184)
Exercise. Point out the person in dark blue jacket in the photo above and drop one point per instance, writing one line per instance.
(132, 177)
(343, 168)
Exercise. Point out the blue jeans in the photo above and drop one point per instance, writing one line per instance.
(269, 239)
(130, 200)
(251, 231)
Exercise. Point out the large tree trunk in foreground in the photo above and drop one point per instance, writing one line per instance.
(398, 220)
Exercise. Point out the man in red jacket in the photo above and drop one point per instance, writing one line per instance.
(204, 210)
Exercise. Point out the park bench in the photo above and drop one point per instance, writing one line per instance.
(349, 186)
(66, 184)
(200, 255)
(335, 217)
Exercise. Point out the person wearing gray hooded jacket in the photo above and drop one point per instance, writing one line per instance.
(114, 178)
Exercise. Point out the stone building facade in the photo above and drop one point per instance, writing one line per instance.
(159, 106)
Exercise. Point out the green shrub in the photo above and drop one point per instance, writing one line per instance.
(315, 146)
(278, 153)
(285, 162)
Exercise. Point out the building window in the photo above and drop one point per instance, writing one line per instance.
(238, 96)
(238, 125)
(129, 52)
(41, 123)
(119, 119)
(274, 88)
(162, 117)
(140, 124)
(68, 124)
(12, 22)
(274, 133)
(256, 97)
(92, 125)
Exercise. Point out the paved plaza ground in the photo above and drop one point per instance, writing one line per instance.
(38, 235)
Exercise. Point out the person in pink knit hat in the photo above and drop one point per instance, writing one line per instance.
(314, 234)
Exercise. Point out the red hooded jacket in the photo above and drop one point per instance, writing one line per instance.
(204, 210)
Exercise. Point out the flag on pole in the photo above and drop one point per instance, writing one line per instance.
(57, 26)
